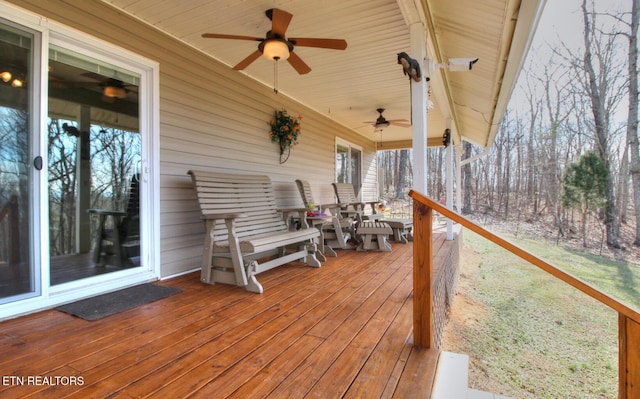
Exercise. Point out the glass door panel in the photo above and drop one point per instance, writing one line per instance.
(356, 167)
(18, 276)
(342, 163)
(349, 165)
(94, 149)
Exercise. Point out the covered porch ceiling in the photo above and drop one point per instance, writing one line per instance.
(348, 86)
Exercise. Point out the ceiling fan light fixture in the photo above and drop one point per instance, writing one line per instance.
(275, 49)
(115, 92)
(382, 125)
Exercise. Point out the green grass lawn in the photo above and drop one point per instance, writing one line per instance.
(621, 280)
(530, 335)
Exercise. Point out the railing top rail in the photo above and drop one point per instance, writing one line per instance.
(549, 268)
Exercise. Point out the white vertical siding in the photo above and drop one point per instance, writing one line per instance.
(212, 117)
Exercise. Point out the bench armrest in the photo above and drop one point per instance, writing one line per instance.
(330, 206)
(302, 215)
(289, 210)
(373, 205)
(359, 206)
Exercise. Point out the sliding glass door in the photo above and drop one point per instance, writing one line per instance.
(78, 165)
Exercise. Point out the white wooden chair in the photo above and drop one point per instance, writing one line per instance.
(340, 230)
(351, 207)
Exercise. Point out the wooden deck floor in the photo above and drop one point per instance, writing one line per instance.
(343, 330)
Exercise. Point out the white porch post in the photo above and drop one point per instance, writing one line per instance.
(419, 110)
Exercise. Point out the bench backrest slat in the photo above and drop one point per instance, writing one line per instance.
(252, 195)
(345, 193)
(305, 191)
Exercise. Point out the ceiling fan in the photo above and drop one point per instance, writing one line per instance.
(382, 122)
(276, 46)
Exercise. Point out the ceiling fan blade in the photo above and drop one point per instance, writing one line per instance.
(247, 61)
(279, 21)
(335, 44)
(297, 63)
(236, 37)
(400, 123)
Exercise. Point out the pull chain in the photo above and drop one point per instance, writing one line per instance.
(275, 74)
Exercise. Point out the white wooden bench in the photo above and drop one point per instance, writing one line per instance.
(374, 236)
(245, 234)
(402, 229)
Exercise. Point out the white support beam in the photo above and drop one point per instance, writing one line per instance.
(419, 110)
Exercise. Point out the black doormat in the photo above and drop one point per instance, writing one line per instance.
(118, 301)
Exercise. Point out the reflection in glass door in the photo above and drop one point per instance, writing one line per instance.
(356, 162)
(94, 153)
(348, 165)
(18, 276)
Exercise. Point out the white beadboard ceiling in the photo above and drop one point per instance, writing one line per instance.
(349, 85)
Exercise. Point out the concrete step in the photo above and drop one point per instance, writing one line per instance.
(452, 377)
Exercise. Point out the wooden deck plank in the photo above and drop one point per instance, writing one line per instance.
(341, 330)
(378, 372)
(205, 338)
(344, 370)
(355, 313)
(272, 375)
(265, 334)
(233, 318)
(398, 369)
(289, 324)
(417, 377)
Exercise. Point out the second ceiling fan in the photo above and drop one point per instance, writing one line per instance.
(276, 46)
(382, 122)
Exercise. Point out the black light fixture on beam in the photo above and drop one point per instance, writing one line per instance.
(446, 138)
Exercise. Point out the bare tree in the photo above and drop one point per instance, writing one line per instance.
(62, 188)
(402, 174)
(556, 87)
(600, 75)
(632, 117)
